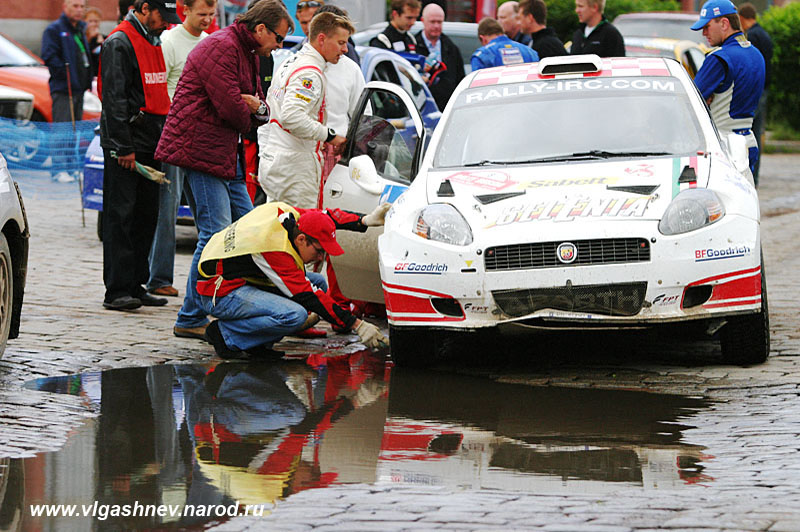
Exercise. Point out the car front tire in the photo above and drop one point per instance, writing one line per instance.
(6, 292)
(745, 339)
(413, 347)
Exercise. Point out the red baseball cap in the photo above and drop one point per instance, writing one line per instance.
(321, 228)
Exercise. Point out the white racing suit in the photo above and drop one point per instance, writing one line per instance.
(290, 152)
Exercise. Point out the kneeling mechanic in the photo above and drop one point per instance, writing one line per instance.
(253, 279)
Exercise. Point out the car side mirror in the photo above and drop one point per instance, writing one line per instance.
(737, 146)
(364, 174)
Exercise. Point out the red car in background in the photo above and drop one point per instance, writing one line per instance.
(22, 69)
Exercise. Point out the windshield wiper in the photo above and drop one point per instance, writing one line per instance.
(486, 162)
(602, 154)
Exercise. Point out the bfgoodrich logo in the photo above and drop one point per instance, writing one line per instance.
(703, 255)
(432, 268)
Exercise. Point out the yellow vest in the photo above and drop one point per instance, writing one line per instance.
(258, 231)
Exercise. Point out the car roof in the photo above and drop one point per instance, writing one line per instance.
(611, 67)
(670, 15)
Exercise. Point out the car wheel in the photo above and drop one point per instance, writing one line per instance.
(6, 292)
(745, 339)
(413, 347)
(100, 226)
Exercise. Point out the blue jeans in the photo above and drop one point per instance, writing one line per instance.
(218, 203)
(162, 254)
(250, 317)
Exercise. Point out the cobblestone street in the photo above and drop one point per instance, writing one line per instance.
(749, 433)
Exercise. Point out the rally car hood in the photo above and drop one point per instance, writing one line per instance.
(638, 189)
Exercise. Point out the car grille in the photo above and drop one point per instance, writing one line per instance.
(544, 254)
(621, 299)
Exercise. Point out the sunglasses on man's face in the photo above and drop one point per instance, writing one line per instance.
(278, 37)
(308, 3)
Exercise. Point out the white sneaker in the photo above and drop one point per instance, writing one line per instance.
(63, 177)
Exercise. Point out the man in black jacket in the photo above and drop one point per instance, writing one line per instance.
(130, 127)
(533, 20)
(596, 35)
(444, 67)
(396, 36)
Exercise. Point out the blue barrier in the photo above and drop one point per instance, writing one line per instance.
(52, 147)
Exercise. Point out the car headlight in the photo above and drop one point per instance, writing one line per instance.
(91, 103)
(24, 109)
(690, 210)
(443, 223)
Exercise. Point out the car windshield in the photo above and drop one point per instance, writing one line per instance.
(658, 27)
(568, 120)
(13, 55)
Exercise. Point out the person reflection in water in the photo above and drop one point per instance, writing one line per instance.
(250, 425)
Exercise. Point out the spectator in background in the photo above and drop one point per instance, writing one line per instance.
(443, 66)
(498, 49)
(759, 38)
(291, 158)
(596, 35)
(397, 36)
(306, 9)
(66, 54)
(533, 20)
(122, 9)
(219, 99)
(508, 17)
(176, 45)
(94, 38)
(130, 126)
(732, 76)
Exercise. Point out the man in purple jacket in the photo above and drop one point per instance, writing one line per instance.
(218, 99)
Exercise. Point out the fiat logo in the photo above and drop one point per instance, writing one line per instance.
(567, 252)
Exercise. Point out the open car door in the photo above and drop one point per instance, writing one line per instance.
(384, 147)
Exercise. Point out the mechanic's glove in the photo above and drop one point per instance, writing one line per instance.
(376, 217)
(370, 335)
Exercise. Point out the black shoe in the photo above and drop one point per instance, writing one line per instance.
(152, 301)
(263, 352)
(124, 303)
(214, 337)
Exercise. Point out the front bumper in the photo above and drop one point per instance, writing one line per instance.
(708, 273)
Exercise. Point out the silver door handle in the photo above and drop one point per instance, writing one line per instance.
(336, 190)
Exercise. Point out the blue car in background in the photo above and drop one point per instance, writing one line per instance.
(376, 64)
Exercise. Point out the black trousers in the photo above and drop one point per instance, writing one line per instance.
(130, 214)
(61, 112)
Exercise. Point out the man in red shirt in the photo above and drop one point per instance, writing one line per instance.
(253, 279)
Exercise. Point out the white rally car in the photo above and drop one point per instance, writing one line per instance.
(577, 191)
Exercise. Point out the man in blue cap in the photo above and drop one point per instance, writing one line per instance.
(732, 76)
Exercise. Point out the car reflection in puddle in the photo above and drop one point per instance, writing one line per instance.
(201, 439)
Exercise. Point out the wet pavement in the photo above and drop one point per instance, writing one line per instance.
(562, 432)
(254, 434)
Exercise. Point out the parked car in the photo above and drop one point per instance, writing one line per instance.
(15, 104)
(662, 24)
(688, 53)
(22, 69)
(463, 34)
(13, 255)
(516, 215)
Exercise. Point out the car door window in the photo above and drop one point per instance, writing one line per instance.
(385, 132)
(693, 59)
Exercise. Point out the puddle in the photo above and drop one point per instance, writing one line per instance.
(205, 439)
